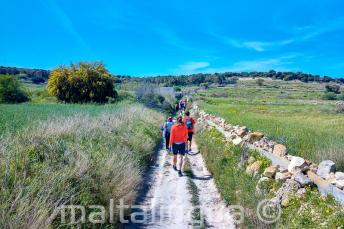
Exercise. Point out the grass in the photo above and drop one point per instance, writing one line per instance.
(237, 187)
(57, 154)
(291, 113)
(15, 117)
(198, 219)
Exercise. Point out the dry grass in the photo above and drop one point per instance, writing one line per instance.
(75, 160)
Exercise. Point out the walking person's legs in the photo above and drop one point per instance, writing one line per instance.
(175, 154)
(190, 134)
(167, 141)
(182, 148)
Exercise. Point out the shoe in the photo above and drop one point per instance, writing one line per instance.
(175, 168)
(180, 173)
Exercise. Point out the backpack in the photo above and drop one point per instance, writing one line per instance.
(189, 124)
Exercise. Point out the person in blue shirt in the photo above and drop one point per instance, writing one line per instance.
(167, 131)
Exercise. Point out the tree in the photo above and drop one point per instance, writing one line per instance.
(333, 88)
(10, 90)
(84, 82)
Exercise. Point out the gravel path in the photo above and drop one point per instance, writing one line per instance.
(166, 201)
(215, 212)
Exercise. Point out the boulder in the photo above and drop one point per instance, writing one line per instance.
(297, 164)
(325, 168)
(242, 132)
(313, 168)
(280, 150)
(237, 141)
(254, 168)
(340, 184)
(270, 171)
(283, 176)
(303, 180)
(331, 178)
(339, 176)
(255, 136)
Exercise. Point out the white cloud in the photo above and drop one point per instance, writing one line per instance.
(282, 63)
(191, 67)
(307, 33)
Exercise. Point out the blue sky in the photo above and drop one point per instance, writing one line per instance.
(175, 37)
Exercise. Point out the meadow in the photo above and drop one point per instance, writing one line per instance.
(292, 113)
(54, 153)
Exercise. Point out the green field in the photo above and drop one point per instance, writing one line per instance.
(291, 113)
(76, 153)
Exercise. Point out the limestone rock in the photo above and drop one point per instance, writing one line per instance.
(313, 168)
(340, 184)
(339, 176)
(242, 132)
(270, 171)
(237, 141)
(283, 176)
(325, 168)
(254, 168)
(280, 150)
(255, 136)
(297, 164)
(303, 180)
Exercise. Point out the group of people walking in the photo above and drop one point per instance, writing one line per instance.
(178, 138)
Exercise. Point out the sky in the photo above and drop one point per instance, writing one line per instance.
(158, 37)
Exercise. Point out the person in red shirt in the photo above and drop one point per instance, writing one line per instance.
(190, 124)
(178, 141)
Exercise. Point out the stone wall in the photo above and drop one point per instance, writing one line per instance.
(295, 172)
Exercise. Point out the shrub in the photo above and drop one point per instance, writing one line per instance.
(340, 97)
(10, 90)
(147, 95)
(260, 82)
(177, 89)
(335, 88)
(84, 82)
(329, 96)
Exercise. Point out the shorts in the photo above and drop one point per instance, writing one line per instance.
(178, 149)
(190, 136)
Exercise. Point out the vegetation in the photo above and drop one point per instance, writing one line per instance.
(11, 90)
(260, 82)
(84, 82)
(73, 158)
(312, 211)
(232, 77)
(291, 113)
(149, 96)
(333, 88)
(236, 187)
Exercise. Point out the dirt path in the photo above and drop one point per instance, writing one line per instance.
(166, 202)
(213, 208)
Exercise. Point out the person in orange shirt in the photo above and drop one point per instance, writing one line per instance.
(190, 124)
(178, 141)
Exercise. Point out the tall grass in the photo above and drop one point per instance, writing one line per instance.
(78, 159)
